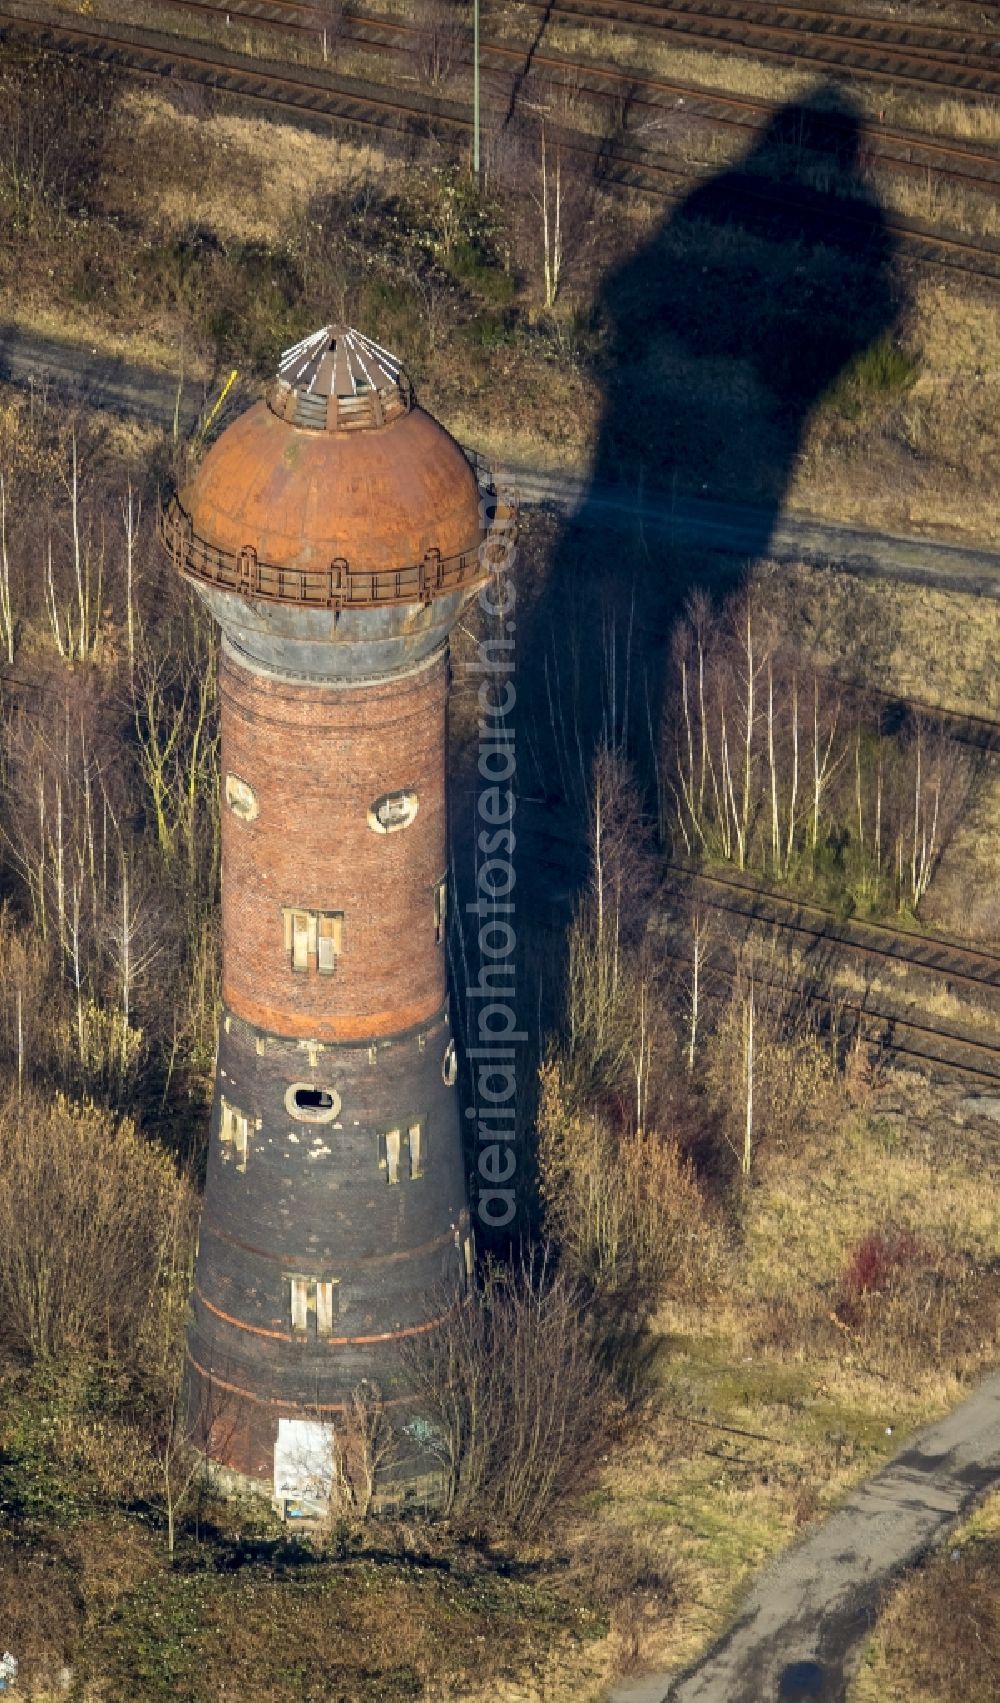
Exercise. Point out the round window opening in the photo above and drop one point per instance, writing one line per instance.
(314, 1105)
(449, 1065)
(241, 798)
(394, 810)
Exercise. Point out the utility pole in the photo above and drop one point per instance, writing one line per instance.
(475, 89)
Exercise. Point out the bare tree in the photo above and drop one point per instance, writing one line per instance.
(939, 785)
(176, 720)
(700, 933)
(764, 1065)
(96, 1230)
(76, 623)
(6, 612)
(441, 34)
(614, 1023)
(551, 210)
(131, 517)
(365, 1445)
(331, 22)
(516, 1401)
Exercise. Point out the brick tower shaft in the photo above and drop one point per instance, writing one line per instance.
(335, 532)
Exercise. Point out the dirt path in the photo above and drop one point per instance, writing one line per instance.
(737, 529)
(726, 528)
(801, 1630)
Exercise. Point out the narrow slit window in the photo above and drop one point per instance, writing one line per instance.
(297, 931)
(329, 942)
(382, 1153)
(234, 1133)
(300, 1304)
(415, 1143)
(440, 908)
(326, 1307)
(392, 1155)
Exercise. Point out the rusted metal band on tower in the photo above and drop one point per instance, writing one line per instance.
(348, 1262)
(285, 1404)
(336, 586)
(328, 1342)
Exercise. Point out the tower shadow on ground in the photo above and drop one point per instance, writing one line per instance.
(722, 333)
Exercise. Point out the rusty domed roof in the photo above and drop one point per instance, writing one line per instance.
(338, 466)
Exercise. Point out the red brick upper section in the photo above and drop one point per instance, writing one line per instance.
(317, 758)
(376, 499)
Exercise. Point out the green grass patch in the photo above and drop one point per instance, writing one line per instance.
(880, 374)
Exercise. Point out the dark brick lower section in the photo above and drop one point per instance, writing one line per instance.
(313, 1202)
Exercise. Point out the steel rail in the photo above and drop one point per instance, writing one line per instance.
(952, 162)
(889, 1027)
(331, 101)
(914, 68)
(939, 955)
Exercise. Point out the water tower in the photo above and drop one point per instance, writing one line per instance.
(334, 531)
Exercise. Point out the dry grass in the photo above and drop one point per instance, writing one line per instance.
(918, 642)
(246, 179)
(764, 1356)
(938, 1638)
(738, 72)
(965, 896)
(929, 459)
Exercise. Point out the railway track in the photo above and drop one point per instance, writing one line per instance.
(812, 927)
(651, 98)
(933, 58)
(901, 1032)
(925, 1044)
(326, 98)
(933, 52)
(952, 960)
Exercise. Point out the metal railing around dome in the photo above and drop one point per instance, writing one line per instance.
(338, 586)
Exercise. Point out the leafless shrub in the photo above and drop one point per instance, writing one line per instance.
(364, 1445)
(518, 1403)
(624, 1209)
(96, 1233)
(442, 31)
